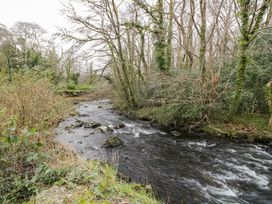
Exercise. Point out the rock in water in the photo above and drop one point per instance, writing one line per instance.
(105, 129)
(91, 125)
(113, 142)
(78, 124)
(83, 115)
(119, 126)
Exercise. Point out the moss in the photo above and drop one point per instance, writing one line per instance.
(95, 182)
(113, 142)
(74, 90)
(251, 127)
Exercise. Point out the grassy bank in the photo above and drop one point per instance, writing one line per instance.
(248, 127)
(36, 169)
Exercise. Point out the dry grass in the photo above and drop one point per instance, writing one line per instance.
(30, 102)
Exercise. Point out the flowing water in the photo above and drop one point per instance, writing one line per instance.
(194, 169)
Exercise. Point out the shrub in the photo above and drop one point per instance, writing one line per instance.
(31, 102)
(180, 98)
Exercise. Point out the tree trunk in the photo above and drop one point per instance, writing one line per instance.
(243, 45)
(202, 51)
(249, 30)
(169, 55)
(160, 37)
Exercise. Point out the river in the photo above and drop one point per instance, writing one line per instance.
(189, 169)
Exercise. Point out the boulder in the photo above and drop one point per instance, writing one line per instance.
(113, 142)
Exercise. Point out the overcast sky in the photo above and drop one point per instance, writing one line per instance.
(43, 12)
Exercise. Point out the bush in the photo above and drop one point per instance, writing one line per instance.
(28, 104)
(179, 98)
(27, 167)
(183, 100)
(30, 101)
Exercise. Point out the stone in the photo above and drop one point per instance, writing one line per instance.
(176, 133)
(113, 142)
(93, 125)
(84, 115)
(78, 124)
(105, 129)
(119, 126)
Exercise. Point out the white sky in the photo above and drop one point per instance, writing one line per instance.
(46, 13)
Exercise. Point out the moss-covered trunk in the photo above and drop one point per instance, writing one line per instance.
(249, 30)
(160, 46)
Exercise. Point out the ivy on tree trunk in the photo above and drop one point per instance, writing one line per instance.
(250, 25)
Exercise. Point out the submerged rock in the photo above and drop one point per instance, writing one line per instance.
(119, 126)
(84, 115)
(87, 125)
(78, 124)
(113, 142)
(93, 125)
(176, 133)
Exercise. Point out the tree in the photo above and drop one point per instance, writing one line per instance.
(28, 34)
(202, 34)
(157, 15)
(7, 48)
(107, 34)
(251, 16)
(28, 37)
(159, 32)
(169, 54)
(9, 51)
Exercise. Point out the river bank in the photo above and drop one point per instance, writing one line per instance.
(243, 127)
(35, 168)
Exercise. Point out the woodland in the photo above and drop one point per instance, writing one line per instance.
(183, 64)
